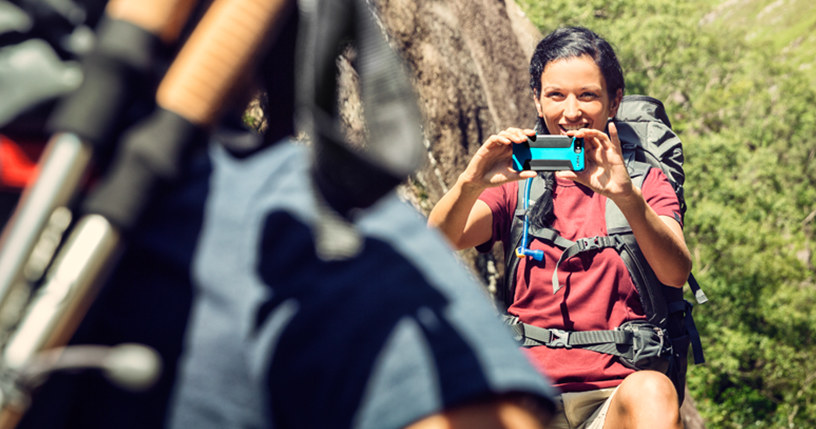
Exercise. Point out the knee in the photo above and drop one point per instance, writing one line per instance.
(645, 399)
(652, 386)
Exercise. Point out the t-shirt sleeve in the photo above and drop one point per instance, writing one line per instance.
(502, 203)
(660, 195)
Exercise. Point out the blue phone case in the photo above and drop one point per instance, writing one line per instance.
(546, 152)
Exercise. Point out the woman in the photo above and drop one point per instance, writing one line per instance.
(577, 87)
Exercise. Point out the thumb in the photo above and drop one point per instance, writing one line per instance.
(528, 174)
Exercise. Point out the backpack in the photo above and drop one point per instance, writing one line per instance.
(661, 342)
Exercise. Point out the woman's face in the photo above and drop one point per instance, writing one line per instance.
(573, 96)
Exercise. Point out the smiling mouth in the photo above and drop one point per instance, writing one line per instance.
(566, 128)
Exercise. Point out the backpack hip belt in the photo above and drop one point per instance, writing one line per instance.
(637, 343)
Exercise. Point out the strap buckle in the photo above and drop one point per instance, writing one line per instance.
(590, 243)
(598, 242)
(559, 338)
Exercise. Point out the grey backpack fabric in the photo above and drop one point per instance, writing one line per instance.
(662, 341)
(646, 135)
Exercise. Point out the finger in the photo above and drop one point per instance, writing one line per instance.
(585, 133)
(595, 139)
(613, 134)
(517, 135)
(497, 140)
(510, 175)
(592, 138)
(566, 174)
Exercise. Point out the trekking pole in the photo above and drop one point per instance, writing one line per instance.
(221, 49)
(84, 125)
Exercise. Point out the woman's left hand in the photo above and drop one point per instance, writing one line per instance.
(605, 171)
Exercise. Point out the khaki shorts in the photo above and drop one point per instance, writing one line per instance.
(582, 410)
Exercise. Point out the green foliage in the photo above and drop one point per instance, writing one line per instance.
(735, 79)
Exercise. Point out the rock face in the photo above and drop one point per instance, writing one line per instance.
(469, 61)
(470, 72)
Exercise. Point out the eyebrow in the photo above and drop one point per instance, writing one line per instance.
(583, 88)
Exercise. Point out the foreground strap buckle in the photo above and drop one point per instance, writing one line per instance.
(591, 243)
(559, 338)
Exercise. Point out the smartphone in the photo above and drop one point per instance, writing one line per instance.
(545, 152)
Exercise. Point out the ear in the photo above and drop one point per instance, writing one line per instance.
(615, 104)
(537, 104)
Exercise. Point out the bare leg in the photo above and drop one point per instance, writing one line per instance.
(499, 413)
(645, 399)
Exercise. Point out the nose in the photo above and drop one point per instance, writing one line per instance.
(572, 110)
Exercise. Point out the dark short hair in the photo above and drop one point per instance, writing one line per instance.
(571, 42)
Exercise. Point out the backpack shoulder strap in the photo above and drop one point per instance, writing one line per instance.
(646, 135)
(615, 221)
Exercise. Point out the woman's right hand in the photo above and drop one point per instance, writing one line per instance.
(462, 218)
(492, 163)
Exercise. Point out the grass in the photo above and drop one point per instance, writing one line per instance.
(787, 27)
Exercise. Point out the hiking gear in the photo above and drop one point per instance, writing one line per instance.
(638, 344)
(188, 100)
(523, 250)
(349, 176)
(431, 322)
(661, 341)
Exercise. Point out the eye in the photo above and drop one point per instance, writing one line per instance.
(558, 95)
(589, 96)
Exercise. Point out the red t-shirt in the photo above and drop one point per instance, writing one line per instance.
(597, 291)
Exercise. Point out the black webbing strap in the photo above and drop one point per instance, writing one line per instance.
(583, 245)
(691, 328)
(572, 248)
(613, 342)
(699, 295)
(551, 236)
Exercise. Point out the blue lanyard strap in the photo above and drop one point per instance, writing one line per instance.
(523, 250)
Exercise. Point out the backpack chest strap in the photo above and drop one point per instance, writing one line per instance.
(550, 236)
(583, 245)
